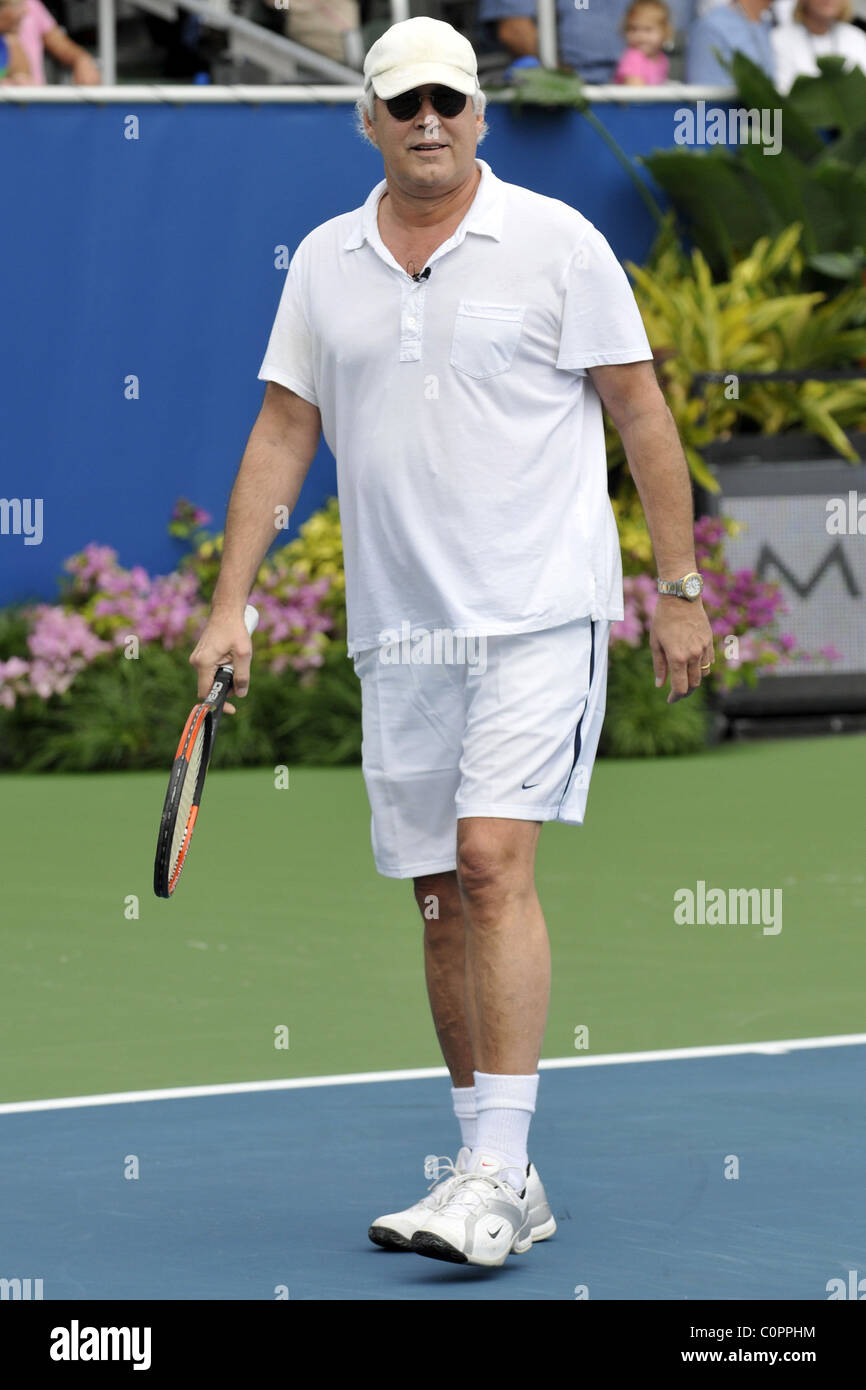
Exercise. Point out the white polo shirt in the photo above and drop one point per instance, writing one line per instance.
(469, 442)
(797, 50)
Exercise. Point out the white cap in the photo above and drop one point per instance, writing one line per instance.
(417, 51)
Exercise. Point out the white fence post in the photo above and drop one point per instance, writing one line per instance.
(107, 43)
(547, 47)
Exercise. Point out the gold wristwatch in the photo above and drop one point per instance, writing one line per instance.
(690, 587)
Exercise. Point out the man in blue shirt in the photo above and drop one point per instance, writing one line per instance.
(736, 28)
(590, 37)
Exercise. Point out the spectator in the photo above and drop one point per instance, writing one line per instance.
(14, 67)
(647, 30)
(589, 38)
(321, 24)
(728, 29)
(820, 29)
(39, 32)
(782, 9)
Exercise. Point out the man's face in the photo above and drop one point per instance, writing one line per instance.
(10, 17)
(824, 9)
(429, 153)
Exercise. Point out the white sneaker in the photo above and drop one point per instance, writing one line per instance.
(395, 1232)
(481, 1221)
(540, 1215)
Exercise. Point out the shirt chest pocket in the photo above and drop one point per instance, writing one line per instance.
(485, 337)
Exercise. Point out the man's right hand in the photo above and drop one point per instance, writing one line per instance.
(225, 641)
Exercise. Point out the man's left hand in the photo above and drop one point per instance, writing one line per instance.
(681, 641)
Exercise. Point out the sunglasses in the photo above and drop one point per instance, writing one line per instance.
(445, 101)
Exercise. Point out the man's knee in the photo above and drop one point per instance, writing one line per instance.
(495, 863)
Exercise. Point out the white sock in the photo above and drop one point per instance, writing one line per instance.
(505, 1106)
(464, 1108)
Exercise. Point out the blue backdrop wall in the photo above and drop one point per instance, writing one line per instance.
(155, 258)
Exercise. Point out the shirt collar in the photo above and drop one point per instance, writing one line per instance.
(766, 17)
(484, 216)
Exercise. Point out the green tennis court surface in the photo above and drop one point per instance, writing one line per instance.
(280, 921)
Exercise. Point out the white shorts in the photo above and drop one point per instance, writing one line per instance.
(513, 735)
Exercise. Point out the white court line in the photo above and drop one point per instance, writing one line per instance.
(674, 1054)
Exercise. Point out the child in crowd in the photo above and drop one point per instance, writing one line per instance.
(14, 67)
(647, 28)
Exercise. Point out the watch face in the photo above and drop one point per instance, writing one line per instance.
(692, 586)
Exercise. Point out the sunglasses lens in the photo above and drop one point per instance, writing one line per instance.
(445, 100)
(448, 102)
(404, 106)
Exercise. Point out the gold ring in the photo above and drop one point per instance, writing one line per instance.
(707, 667)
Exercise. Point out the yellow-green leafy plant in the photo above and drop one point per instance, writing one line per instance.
(317, 551)
(755, 321)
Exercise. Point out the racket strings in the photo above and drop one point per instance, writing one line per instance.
(187, 795)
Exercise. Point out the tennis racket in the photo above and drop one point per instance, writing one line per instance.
(186, 783)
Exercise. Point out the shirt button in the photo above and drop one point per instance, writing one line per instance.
(411, 323)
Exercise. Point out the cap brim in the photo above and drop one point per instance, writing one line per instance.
(404, 79)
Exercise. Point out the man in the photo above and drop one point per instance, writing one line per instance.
(728, 29)
(454, 337)
(322, 25)
(782, 9)
(589, 37)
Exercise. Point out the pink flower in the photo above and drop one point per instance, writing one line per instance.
(92, 567)
(13, 681)
(629, 629)
(58, 636)
(109, 603)
(188, 514)
(13, 668)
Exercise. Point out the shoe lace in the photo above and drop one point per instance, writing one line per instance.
(437, 1168)
(463, 1194)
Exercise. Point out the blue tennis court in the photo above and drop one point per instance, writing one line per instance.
(267, 1194)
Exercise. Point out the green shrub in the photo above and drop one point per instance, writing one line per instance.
(727, 198)
(639, 722)
(122, 714)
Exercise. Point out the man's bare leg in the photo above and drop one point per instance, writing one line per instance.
(487, 961)
(438, 898)
(486, 953)
(507, 947)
